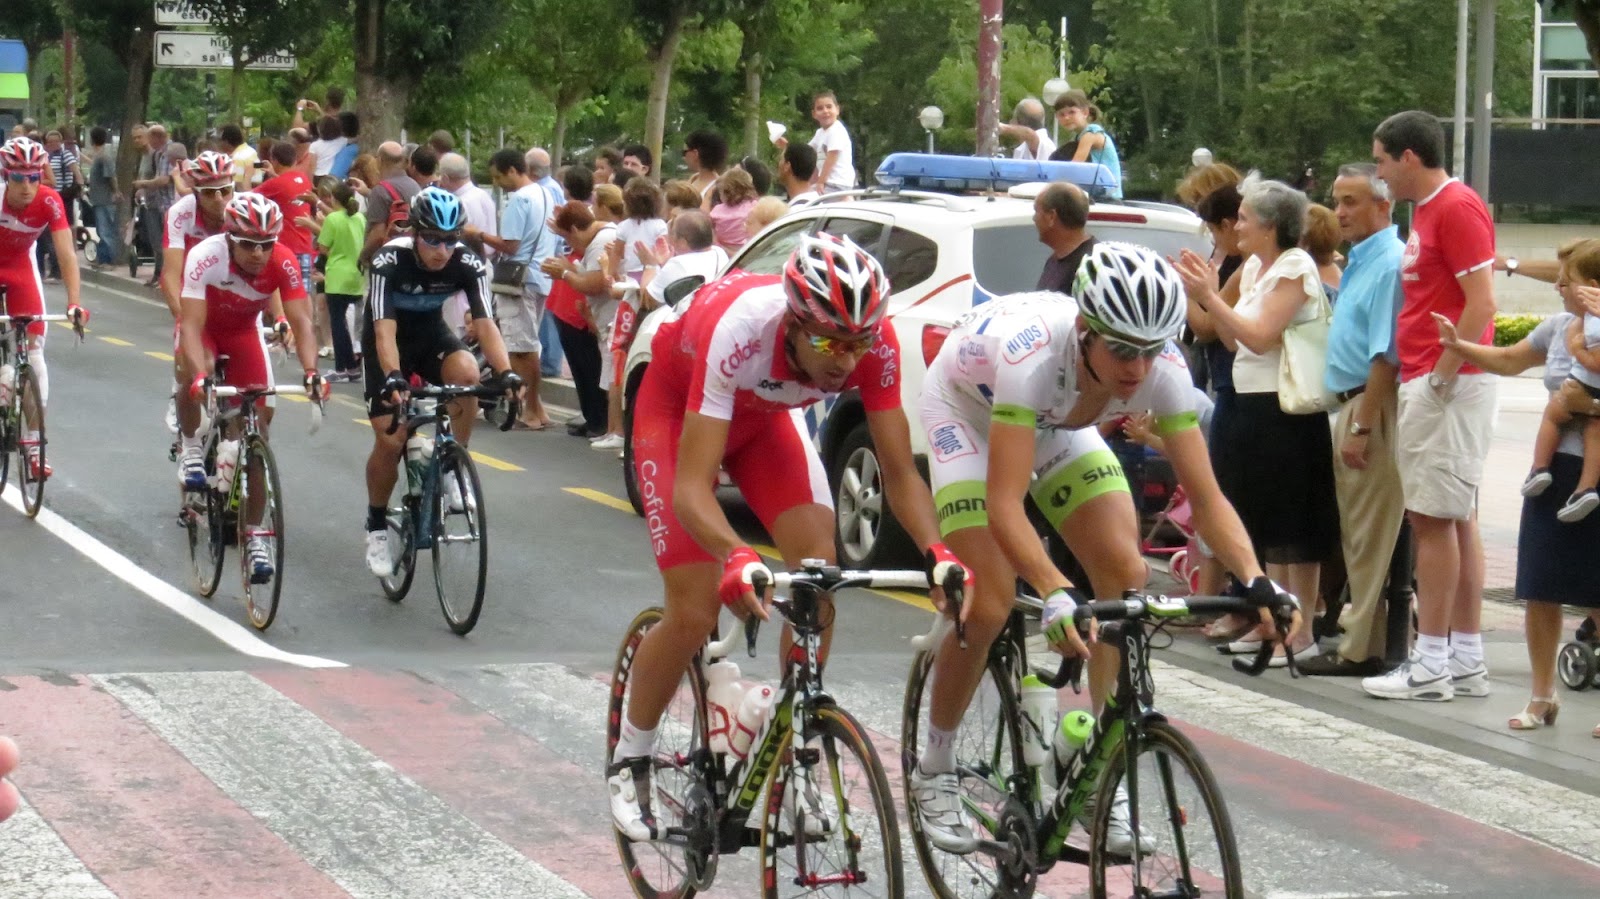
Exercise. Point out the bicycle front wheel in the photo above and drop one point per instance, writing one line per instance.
(679, 867)
(461, 539)
(830, 824)
(1170, 800)
(202, 513)
(260, 536)
(402, 524)
(31, 442)
(988, 753)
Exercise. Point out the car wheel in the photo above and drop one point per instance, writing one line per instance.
(629, 480)
(867, 534)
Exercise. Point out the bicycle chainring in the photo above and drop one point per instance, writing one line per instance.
(1019, 869)
(700, 854)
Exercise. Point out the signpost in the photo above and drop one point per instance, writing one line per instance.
(209, 50)
(178, 12)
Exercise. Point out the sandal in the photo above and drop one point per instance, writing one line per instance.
(1221, 630)
(1526, 720)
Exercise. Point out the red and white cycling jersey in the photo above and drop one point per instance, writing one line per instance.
(20, 228)
(726, 355)
(235, 301)
(186, 226)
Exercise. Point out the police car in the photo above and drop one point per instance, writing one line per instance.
(952, 232)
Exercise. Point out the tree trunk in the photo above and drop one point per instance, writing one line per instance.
(135, 103)
(655, 122)
(1586, 13)
(990, 18)
(1247, 50)
(752, 103)
(381, 103)
(375, 113)
(558, 143)
(1216, 56)
(235, 89)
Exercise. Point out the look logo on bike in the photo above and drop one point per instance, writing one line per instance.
(229, 281)
(1013, 397)
(28, 209)
(404, 333)
(724, 391)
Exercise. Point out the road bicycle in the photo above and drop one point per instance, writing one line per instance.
(1180, 841)
(827, 823)
(22, 410)
(442, 509)
(242, 499)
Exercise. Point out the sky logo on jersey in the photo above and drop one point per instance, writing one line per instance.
(951, 440)
(740, 355)
(1031, 339)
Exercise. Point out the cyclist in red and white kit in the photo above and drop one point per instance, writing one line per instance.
(724, 390)
(194, 217)
(229, 280)
(28, 209)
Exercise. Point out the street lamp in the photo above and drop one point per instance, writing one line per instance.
(1053, 89)
(932, 119)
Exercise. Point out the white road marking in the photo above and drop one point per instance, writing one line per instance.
(127, 296)
(39, 865)
(374, 831)
(231, 633)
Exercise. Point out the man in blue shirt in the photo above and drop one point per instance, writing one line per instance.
(538, 160)
(1363, 371)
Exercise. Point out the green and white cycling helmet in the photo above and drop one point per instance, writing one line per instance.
(1130, 295)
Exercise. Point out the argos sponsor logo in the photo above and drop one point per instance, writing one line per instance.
(740, 355)
(1172, 354)
(951, 440)
(1032, 338)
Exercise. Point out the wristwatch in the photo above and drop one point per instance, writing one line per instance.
(1511, 266)
(1437, 382)
(1356, 430)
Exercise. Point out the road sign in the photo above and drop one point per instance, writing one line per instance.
(209, 50)
(178, 12)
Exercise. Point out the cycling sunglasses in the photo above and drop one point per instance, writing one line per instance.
(221, 191)
(839, 346)
(1124, 351)
(438, 239)
(25, 177)
(257, 245)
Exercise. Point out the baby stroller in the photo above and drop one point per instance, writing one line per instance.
(1183, 559)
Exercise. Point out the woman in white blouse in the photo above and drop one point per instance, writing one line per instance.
(1276, 468)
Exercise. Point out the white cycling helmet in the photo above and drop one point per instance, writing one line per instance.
(1130, 294)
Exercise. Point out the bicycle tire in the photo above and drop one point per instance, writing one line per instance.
(1210, 869)
(454, 464)
(261, 600)
(29, 395)
(982, 759)
(203, 524)
(402, 535)
(839, 734)
(680, 749)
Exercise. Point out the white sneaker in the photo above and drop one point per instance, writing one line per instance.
(1119, 830)
(626, 780)
(172, 414)
(261, 570)
(1538, 481)
(1412, 680)
(1466, 681)
(452, 493)
(606, 442)
(1578, 506)
(192, 467)
(936, 801)
(378, 560)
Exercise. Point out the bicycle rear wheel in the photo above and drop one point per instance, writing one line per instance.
(30, 439)
(461, 539)
(830, 824)
(988, 754)
(203, 522)
(8, 440)
(679, 868)
(260, 592)
(1185, 845)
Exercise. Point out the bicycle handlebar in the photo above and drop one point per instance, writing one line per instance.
(23, 321)
(449, 392)
(227, 391)
(826, 578)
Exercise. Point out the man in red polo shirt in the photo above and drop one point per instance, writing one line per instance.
(1446, 410)
(288, 187)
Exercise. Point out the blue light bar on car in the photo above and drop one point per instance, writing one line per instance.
(931, 171)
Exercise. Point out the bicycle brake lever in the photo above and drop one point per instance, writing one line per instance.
(1069, 674)
(1255, 666)
(752, 627)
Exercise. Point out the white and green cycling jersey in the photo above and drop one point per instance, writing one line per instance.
(1014, 360)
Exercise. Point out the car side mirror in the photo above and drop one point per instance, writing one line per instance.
(677, 290)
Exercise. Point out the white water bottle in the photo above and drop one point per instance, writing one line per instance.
(418, 450)
(723, 692)
(7, 373)
(753, 711)
(227, 463)
(1038, 729)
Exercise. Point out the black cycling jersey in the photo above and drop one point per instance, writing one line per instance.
(399, 288)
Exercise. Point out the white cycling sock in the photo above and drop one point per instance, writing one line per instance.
(939, 756)
(1467, 648)
(1434, 651)
(36, 359)
(634, 742)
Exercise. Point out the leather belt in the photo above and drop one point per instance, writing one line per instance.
(1345, 396)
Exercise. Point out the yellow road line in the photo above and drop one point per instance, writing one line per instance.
(164, 357)
(294, 397)
(68, 326)
(604, 499)
(116, 341)
(915, 600)
(499, 464)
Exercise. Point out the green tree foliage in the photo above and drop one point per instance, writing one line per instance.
(254, 30)
(1028, 60)
(401, 43)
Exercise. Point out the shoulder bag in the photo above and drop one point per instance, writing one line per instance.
(1303, 365)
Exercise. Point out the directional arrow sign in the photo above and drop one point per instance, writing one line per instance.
(178, 12)
(209, 50)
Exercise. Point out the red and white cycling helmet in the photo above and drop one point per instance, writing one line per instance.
(835, 284)
(23, 154)
(252, 217)
(211, 169)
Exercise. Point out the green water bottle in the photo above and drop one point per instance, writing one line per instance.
(1076, 726)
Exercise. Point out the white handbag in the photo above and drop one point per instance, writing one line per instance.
(1304, 362)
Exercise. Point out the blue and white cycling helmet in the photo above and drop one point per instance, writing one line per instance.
(436, 209)
(1130, 295)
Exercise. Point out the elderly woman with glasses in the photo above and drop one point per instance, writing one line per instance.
(1275, 467)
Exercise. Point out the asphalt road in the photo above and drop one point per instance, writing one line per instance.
(1335, 795)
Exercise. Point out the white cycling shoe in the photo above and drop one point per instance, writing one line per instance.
(625, 781)
(1119, 830)
(936, 799)
(379, 561)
